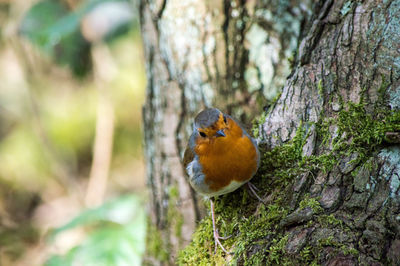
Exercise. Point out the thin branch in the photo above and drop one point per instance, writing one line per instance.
(104, 71)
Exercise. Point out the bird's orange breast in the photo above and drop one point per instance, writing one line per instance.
(226, 159)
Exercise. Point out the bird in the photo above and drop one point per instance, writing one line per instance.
(220, 157)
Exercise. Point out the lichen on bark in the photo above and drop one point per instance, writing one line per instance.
(197, 54)
(344, 83)
(329, 173)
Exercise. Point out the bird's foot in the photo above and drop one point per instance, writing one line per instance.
(215, 231)
(253, 190)
(218, 242)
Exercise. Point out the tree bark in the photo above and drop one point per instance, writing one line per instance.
(348, 63)
(341, 191)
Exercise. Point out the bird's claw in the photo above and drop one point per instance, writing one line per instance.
(215, 231)
(217, 242)
(253, 190)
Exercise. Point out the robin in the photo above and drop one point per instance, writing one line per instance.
(220, 157)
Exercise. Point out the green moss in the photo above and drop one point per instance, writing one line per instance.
(277, 252)
(250, 223)
(174, 216)
(312, 254)
(256, 235)
(338, 247)
(357, 132)
(201, 250)
(282, 163)
(357, 129)
(257, 122)
(329, 241)
(382, 90)
(320, 88)
(312, 203)
(329, 220)
(155, 244)
(306, 255)
(349, 250)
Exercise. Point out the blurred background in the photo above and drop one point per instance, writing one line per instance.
(72, 81)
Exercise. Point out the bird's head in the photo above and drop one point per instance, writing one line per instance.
(211, 124)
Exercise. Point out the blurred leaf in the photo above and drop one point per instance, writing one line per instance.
(57, 30)
(50, 26)
(39, 18)
(107, 20)
(120, 242)
(109, 246)
(22, 158)
(70, 123)
(121, 211)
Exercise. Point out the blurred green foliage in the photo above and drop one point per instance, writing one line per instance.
(116, 237)
(70, 123)
(47, 122)
(23, 158)
(50, 26)
(56, 30)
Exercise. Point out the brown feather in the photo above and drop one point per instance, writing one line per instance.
(188, 156)
(239, 160)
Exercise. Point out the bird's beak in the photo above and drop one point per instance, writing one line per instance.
(220, 133)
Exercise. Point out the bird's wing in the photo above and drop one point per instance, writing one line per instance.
(247, 130)
(188, 156)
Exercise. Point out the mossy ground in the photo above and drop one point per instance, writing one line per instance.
(256, 234)
(158, 246)
(251, 224)
(155, 245)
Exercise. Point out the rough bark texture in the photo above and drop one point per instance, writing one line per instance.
(348, 62)
(331, 182)
(227, 54)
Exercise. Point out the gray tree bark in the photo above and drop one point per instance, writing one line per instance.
(349, 57)
(236, 55)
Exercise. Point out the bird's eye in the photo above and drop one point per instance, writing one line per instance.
(225, 119)
(202, 134)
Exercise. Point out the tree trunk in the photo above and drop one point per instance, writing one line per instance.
(330, 169)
